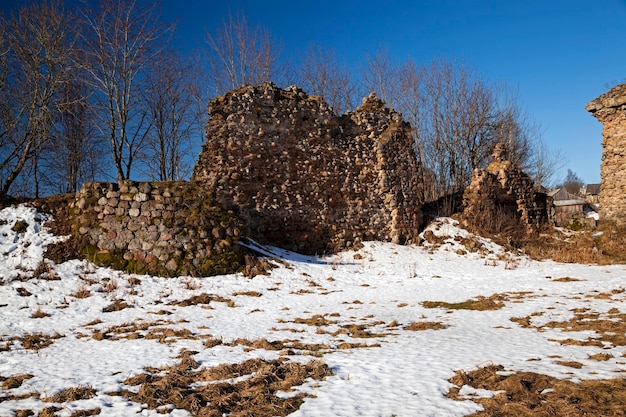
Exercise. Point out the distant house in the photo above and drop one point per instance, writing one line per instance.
(566, 208)
(592, 193)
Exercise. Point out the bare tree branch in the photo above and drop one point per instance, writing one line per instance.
(36, 55)
(172, 96)
(240, 54)
(320, 73)
(122, 39)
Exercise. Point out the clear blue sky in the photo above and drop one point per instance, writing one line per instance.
(557, 54)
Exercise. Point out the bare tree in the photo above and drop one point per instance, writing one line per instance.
(240, 54)
(74, 154)
(173, 96)
(458, 117)
(573, 183)
(320, 73)
(35, 57)
(122, 38)
(381, 76)
(545, 163)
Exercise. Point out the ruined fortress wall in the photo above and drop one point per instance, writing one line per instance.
(304, 179)
(610, 110)
(167, 229)
(503, 190)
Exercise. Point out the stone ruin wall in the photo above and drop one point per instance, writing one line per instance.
(502, 189)
(167, 229)
(304, 179)
(610, 110)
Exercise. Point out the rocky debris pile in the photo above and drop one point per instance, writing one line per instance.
(304, 179)
(502, 195)
(167, 229)
(610, 110)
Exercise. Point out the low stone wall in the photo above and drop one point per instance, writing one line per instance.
(166, 229)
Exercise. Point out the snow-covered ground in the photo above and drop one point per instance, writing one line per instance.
(381, 286)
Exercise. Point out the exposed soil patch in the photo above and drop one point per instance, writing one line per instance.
(250, 388)
(531, 394)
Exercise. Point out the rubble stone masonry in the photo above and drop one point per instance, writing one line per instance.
(305, 179)
(503, 191)
(610, 110)
(160, 228)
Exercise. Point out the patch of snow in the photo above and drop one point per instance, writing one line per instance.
(22, 250)
(381, 286)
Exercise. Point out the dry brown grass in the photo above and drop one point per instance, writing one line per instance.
(358, 331)
(247, 293)
(135, 330)
(256, 266)
(110, 285)
(570, 364)
(601, 357)
(530, 394)
(567, 279)
(39, 314)
(190, 284)
(549, 243)
(581, 247)
(116, 305)
(14, 381)
(288, 346)
(609, 327)
(203, 298)
(480, 303)
(72, 394)
(166, 335)
(316, 320)
(23, 292)
(37, 341)
(48, 412)
(425, 325)
(227, 393)
(134, 281)
(82, 291)
(46, 271)
(86, 413)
